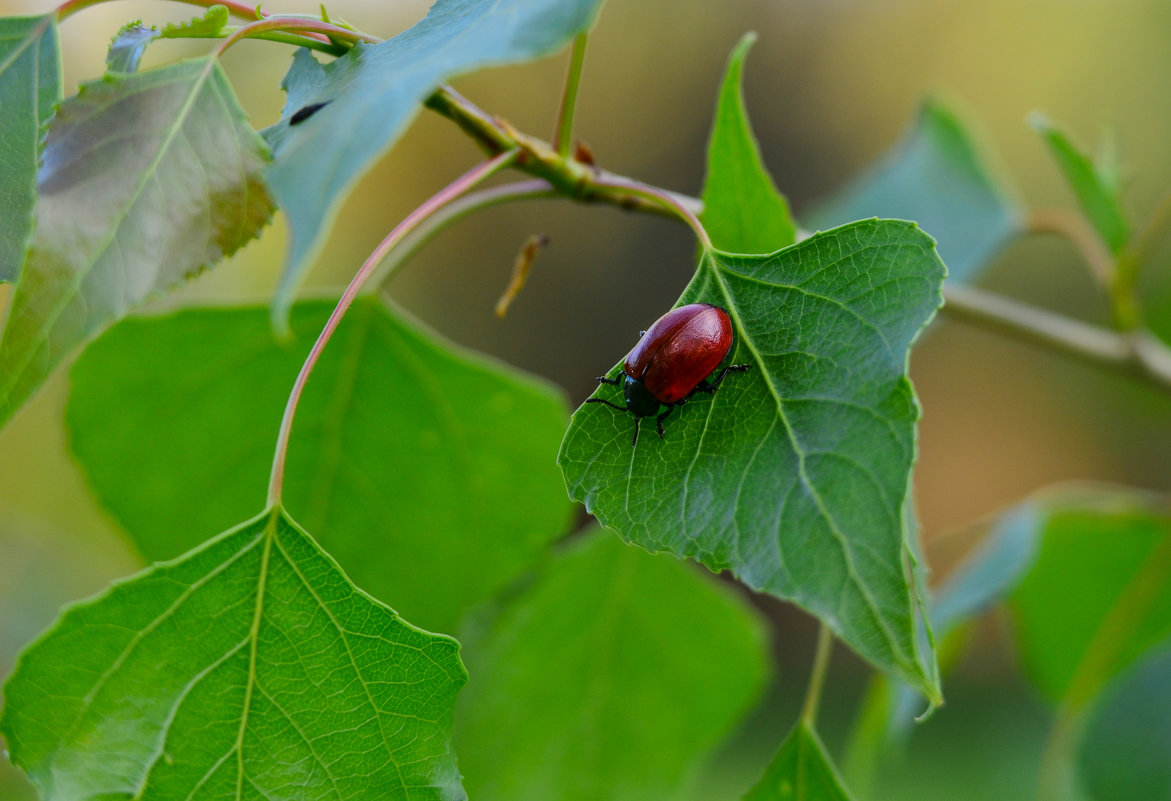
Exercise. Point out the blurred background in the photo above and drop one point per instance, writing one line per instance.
(830, 85)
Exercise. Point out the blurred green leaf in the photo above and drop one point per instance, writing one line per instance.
(801, 771)
(794, 474)
(373, 92)
(742, 210)
(250, 665)
(1126, 750)
(936, 177)
(1098, 596)
(1097, 187)
(128, 46)
(610, 677)
(30, 84)
(428, 470)
(147, 179)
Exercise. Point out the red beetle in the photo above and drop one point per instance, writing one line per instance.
(672, 361)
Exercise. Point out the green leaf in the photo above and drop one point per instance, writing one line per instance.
(1097, 187)
(129, 45)
(609, 677)
(373, 93)
(147, 179)
(742, 210)
(1124, 754)
(794, 474)
(801, 771)
(250, 667)
(936, 177)
(395, 424)
(30, 85)
(208, 26)
(1099, 595)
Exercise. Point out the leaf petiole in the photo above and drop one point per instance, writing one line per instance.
(564, 134)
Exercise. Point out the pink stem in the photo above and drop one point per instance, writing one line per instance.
(412, 221)
(661, 196)
(295, 24)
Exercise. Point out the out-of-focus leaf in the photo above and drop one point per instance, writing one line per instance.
(1098, 596)
(147, 179)
(794, 474)
(30, 84)
(373, 92)
(249, 668)
(610, 677)
(128, 46)
(1125, 752)
(427, 469)
(801, 771)
(1097, 189)
(936, 177)
(742, 210)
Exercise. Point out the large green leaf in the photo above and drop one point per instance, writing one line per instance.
(794, 474)
(249, 668)
(742, 210)
(610, 677)
(30, 84)
(395, 425)
(1099, 595)
(936, 177)
(147, 179)
(801, 771)
(373, 92)
(1126, 750)
(1097, 187)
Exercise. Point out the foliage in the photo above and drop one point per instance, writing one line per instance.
(252, 664)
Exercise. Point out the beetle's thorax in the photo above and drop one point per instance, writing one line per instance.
(639, 400)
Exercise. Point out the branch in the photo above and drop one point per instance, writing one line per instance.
(1137, 354)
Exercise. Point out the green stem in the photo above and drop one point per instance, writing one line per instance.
(271, 24)
(563, 137)
(450, 192)
(825, 642)
(1137, 354)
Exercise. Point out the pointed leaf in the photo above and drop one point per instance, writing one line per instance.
(794, 474)
(936, 177)
(128, 46)
(148, 178)
(610, 677)
(395, 424)
(373, 92)
(30, 84)
(742, 210)
(1099, 595)
(801, 771)
(250, 667)
(1125, 753)
(1096, 186)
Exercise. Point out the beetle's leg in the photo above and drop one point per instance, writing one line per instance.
(608, 403)
(611, 381)
(731, 368)
(659, 420)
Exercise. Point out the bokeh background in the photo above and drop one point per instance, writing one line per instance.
(830, 86)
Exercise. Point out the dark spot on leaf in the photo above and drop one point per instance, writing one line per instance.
(305, 112)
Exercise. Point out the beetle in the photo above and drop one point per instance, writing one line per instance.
(672, 362)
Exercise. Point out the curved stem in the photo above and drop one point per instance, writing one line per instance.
(240, 10)
(661, 196)
(563, 137)
(825, 642)
(1073, 227)
(1137, 354)
(269, 24)
(412, 221)
(455, 211)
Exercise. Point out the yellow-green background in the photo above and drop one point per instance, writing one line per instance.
(830, 85)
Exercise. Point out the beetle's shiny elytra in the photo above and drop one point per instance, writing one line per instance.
(672, 361)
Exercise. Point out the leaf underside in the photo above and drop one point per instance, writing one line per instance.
(30, 84)
(395, 425)
(374, 91)
(794, 474)
(249, 668)
(147, 179)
